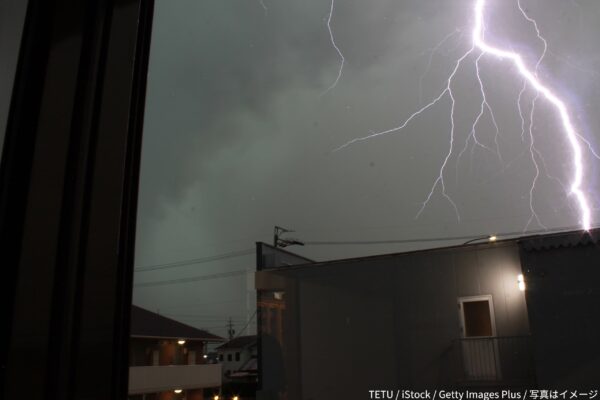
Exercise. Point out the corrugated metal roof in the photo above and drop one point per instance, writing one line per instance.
(560, 240)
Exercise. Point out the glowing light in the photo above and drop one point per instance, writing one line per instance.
(492, 238)
(181, 342)
(521, 282)
(177, 391)
(530, 78)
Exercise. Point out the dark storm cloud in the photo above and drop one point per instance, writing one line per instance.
(238, 137)
(211, 59)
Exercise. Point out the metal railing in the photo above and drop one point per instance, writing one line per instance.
(153, 379)
(496, 359)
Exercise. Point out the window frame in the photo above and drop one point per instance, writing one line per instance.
(68, 198)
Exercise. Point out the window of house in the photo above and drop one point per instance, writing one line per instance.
(237, 356)
(477, 318)
(229, 357)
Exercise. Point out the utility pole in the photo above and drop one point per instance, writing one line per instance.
(230, 331)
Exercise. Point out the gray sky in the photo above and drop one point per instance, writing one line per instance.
(239, 136)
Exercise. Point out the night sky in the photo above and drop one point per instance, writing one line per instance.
(238, 134)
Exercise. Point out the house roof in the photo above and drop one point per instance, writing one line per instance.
(145, 323)
(239, 343)
(558, 240)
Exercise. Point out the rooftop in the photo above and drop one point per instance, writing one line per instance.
(239, 343)
(537, 242)
(147, 324)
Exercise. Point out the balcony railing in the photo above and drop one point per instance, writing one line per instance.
(154, 379)
(496, 359)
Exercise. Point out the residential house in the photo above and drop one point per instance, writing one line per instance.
(236, 353)
(168, 359)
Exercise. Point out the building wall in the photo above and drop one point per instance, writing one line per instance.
(390, 322)
(170, 352)
(233, 365)
(563, 297)
(170, 395)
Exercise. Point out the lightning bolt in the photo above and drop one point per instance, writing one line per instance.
(264, 6)
(559, 105)
(531, 80)
(533, 151)
(337, 49)
(432, 53)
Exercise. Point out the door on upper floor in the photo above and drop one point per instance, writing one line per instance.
(479, 347)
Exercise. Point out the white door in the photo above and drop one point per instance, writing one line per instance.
(479, 345)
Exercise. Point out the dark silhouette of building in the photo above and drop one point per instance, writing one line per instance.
(518, 313)
(563, 300)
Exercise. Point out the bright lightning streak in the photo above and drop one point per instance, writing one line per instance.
(337, 49)
(473, 134)
(532, 149)
(529, 78)
(570, 131)
(264, 6)
(432, 52)
(440, 178)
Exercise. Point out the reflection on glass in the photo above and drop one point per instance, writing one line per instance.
(12, 19)
(328, 130)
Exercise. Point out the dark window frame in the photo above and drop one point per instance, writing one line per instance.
(68, 198)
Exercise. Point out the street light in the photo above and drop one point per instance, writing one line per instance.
(489, 238)
(521, 282)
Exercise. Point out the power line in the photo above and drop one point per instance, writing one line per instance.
(329, 243)
(434, 239)
(247, 323)
(201, 260)
(199, 305)
(192, 279)
(190, 317)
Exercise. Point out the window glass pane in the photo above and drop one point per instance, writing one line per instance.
(12, 18)
(477, 317)
(337, 129)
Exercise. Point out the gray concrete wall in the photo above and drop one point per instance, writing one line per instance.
(390, 322)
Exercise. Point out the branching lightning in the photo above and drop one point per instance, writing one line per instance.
(530, 80)
(432, 53)
(337, 49)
